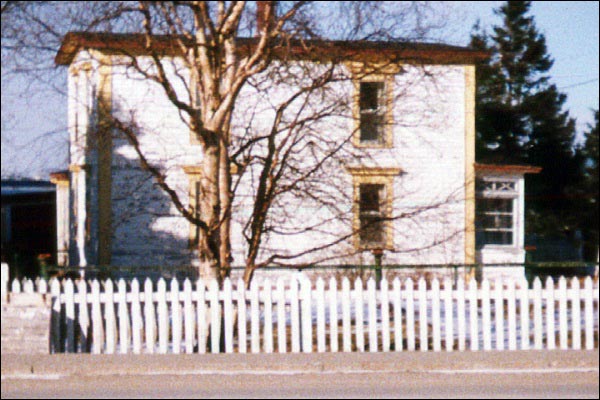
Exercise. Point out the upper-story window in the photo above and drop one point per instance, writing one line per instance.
(372, 112)
(496, 212)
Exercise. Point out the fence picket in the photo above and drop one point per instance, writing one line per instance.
(268, 317)
(15, 287)
(97, 329)
(295, 314)
(254, 318)
(189, 317)
(576, 313)
(524, 313)
(69, 314)
(537, 314)
(241, 303)
(320, 305)
(435, 315)
(499, 313)
(111, 320)
(448, 314)
(281, 317)
(562, 313)
(473, 317)
(333, 316)
(306, 315)
(461, 317)
(397, 298)
(84, 319)
(163, 317)
(149, 317)
(372, 307)
(202, 319)
(486, 315)
(385, 315)
(176, 325)
(422, 298)
(28, 286)
(550, 315)
(43, 286)
(215, 317)
(136, 317)
(346, 328)
(589, 313)
(410, 315)
(55, 316)
(228, 315)
(359, 315)
(512, 315)
(123, 318)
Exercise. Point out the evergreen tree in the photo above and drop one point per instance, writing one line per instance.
(589, 214)
(517, 69)
(520, 117)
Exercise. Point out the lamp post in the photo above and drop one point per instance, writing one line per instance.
(378, 254)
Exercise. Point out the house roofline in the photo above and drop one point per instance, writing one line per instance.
(409, 52)
(59, 176)
(507, 168)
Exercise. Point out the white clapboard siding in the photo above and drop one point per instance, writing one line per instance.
(295, 316)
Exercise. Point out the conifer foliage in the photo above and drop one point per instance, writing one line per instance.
(521, 117)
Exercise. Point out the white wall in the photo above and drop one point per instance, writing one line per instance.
(428, 135)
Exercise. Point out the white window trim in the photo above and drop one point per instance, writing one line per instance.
(517, 207)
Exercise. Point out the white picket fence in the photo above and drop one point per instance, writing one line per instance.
(296, 316)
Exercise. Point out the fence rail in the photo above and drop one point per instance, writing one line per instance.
(293, 315)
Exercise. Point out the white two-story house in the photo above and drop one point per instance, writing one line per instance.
(393, 138)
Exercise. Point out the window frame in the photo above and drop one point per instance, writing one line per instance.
(194, 175)
(501, 188)
(384, 110)
(373, 176)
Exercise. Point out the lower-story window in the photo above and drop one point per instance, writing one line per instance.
(372, 214)
(495, 221)
(373, 200)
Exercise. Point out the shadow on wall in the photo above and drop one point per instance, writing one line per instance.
(149, 237)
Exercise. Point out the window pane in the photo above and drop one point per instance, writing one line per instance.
(498, 237)
(371, 127)
(370, 95)
(494, 222)
(372, 230)
(370, 197)
(494, 205)
(371, 208)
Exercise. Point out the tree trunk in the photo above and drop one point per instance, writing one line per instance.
(208, 240)
(225, 217)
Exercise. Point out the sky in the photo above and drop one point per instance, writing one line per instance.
(34, 143)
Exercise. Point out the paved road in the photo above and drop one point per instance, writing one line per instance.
(529, 374)
(373, 385)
